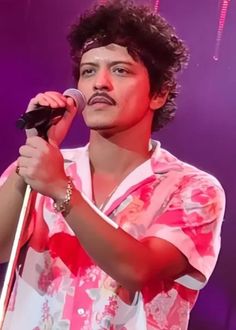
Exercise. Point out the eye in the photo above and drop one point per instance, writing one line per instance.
(121, 71)
(87, 72)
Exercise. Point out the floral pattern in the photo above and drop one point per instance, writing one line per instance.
(61, 288)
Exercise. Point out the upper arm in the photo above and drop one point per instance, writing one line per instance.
(185, 237)
(167, 260)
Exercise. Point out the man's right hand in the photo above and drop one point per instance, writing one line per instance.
(54, 100)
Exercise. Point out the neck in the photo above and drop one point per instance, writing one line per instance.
(112, 158)
(117, 153)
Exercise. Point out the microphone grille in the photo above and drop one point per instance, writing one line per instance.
(77, 96)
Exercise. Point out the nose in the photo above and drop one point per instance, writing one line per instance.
(103, 80)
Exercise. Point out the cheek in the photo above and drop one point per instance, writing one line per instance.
(137, 96)
(143, 92)
(83, 87)
(80, 85)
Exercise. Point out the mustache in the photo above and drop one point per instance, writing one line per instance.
(103, 95)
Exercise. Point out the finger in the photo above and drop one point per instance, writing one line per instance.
(51, 99)
(27, 151)
(71, 108)
(39, 99)
(56, 99)
(70, 101)
(31, 132)
(52, 143)
(34, 147)
(36, 142)
(26, 174)
(22, 162)
(17, 170)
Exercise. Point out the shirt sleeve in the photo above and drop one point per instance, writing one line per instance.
(30, 227)
(11, 168)
(192, 222)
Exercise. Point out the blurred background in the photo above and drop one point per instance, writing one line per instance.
(34, 57)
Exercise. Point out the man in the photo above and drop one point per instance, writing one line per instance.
(121, 234)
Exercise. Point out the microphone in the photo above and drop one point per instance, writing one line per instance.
(44, 117)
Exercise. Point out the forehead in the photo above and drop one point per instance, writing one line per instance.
(109, 53)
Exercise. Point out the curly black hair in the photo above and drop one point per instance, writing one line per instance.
(148, 38)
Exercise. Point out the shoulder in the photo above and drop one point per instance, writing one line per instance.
(189, 174)
(187, 182)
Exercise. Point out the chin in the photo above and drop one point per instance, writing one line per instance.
(101, 127)
(104, 130)
(99, 124)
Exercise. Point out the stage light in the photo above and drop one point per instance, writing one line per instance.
(223, 13)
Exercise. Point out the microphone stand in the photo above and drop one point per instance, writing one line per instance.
(42, 129)
(9, 277)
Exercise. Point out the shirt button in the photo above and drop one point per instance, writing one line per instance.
(80, 311)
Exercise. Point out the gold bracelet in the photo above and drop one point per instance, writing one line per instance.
(64, 206)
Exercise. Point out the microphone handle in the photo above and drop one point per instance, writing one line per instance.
(39, 117)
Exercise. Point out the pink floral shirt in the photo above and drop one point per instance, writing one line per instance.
(59, 287)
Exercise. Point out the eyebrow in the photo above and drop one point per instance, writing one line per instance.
(110, 63)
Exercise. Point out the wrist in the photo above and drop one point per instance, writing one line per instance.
(58, 189)
(19, 182)
(62, 203)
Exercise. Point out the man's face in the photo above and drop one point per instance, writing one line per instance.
(116, 87)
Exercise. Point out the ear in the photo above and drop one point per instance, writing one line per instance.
(158, 100)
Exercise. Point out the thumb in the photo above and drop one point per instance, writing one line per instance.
(53, 143)
(71, 108)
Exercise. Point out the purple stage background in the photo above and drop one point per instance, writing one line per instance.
(34, 58)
